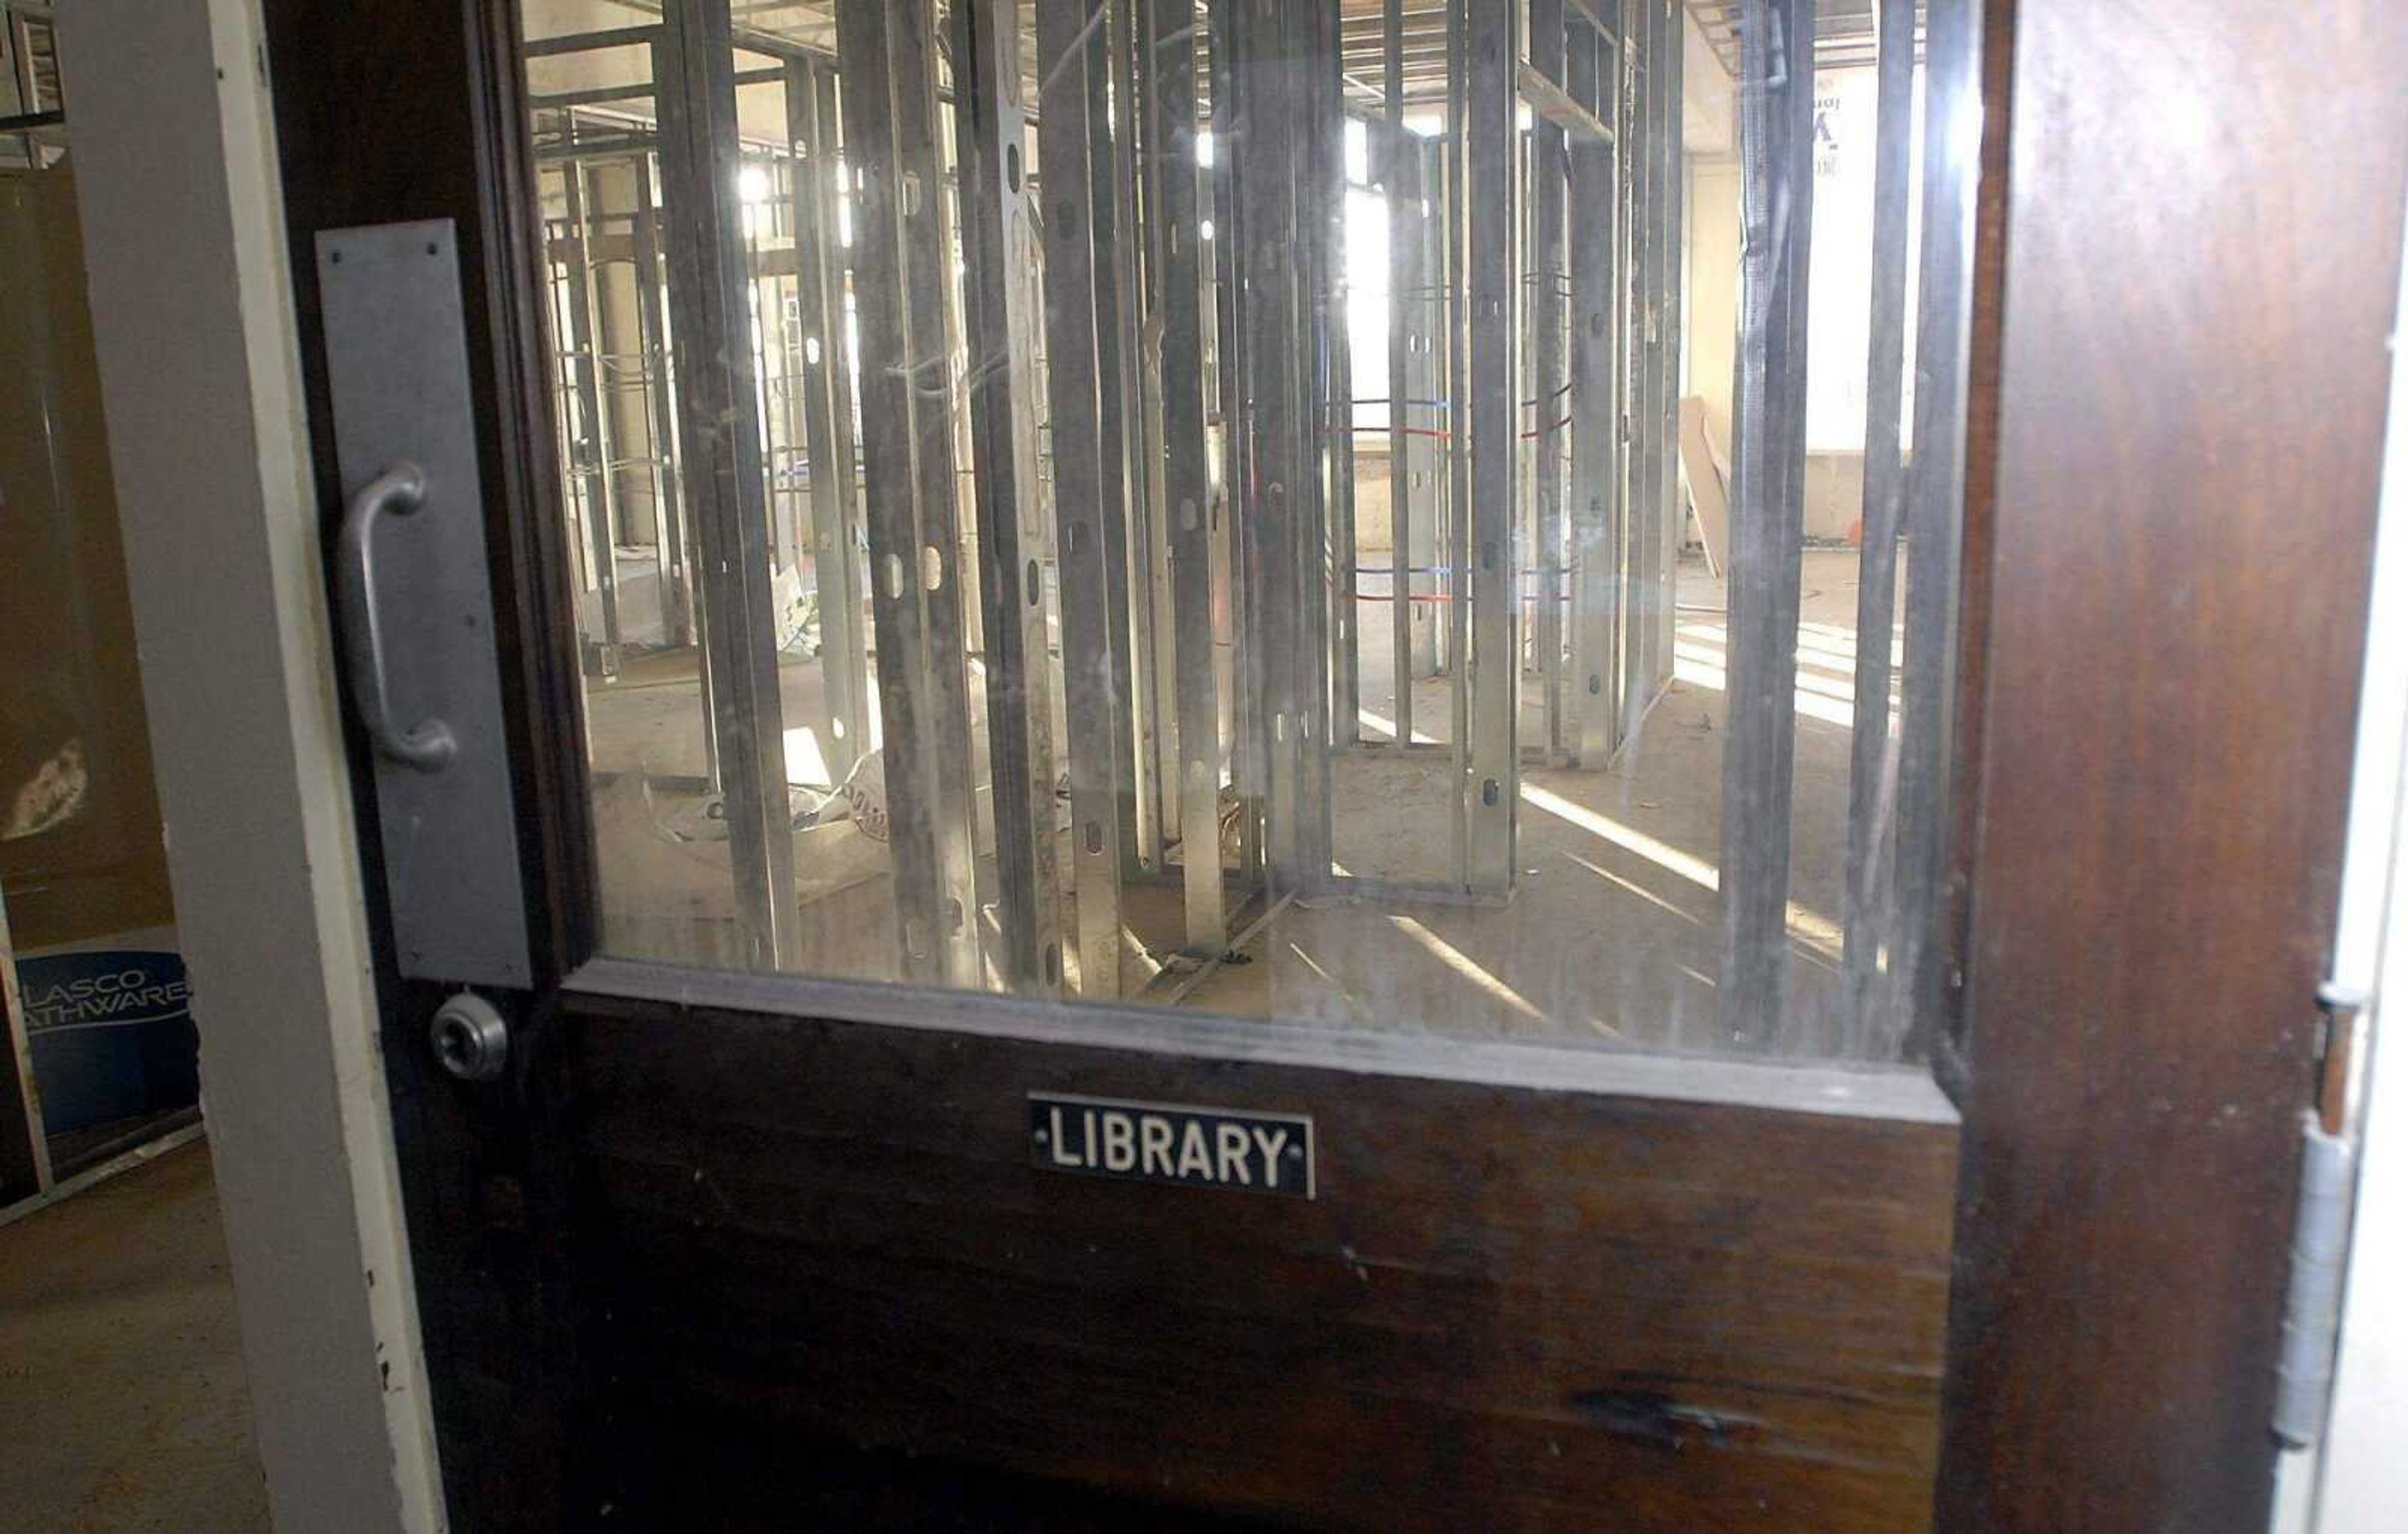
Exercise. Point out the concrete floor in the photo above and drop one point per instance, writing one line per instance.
(1613, 934)
(123, 1401)
(1612, 938)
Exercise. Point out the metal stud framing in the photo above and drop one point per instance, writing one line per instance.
(1592, 76)
(1662, 350)
(1087, 500)
(1260, 244)
(997, 252)
(590, 444)
(1666, 424)
(1768, 511)
(1400, 175)
(1492, 660)
(668, 530)
(1232, 374)
(1334, 395)
(1426, 381)
(828, 414)
(907, 452)
(719, 432)
(1128, 601)
(1209, 601)
(1136, 45)
(1637, 327)
(1935, 495)
(1187, 473)
(1273, 182)
(1318, 198)
(1409, 174)
(1873, 763)
(1546, 288)
(1458, 440)
(1235, 547)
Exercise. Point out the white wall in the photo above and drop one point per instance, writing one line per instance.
(1840, 293)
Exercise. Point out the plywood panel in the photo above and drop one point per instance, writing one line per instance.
(1707, 473)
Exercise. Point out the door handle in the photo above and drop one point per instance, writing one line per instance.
(428, 745)
(405, 427)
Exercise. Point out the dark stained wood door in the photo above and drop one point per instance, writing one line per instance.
(1508, 1305)
(707, 1262)
(2188, 327)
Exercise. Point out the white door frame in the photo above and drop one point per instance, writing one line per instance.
(172, 134)
(2355, 1479)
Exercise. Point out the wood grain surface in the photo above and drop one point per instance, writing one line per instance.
(1506, 1308)
(2202, 230)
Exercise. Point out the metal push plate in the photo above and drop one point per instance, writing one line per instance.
(1172, 1142)
(397, 368)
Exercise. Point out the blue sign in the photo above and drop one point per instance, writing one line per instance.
(112, 1035)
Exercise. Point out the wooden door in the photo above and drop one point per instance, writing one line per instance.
(746, 1235)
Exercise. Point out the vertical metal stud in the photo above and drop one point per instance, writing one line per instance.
(1283, 509)
(907, 458)
(1426, 451)
(826, 381)
(1491, 786)
(1001, 332)
(1264, 142)
(721, 433)
(1123, 355)
(1313, 81)
(1667, 423)
(669, 563)
(1592, 75)
(950, 603)
(1087, 497)
(1636, 135)
(1458, 435)
(1935, 498)
(1334, 402)
(1872, 764)
(776, 360)
(1768, 511)
(592, 447)
(1233, 346)
(1149, 533)
(1399, 177)
(1548, 55)
(1187, 471)
(1128, 603)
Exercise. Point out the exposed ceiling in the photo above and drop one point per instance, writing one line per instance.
(1845, 33)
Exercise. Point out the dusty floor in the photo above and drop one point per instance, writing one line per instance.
(1612, 937)
(122, 1402)
(1614, 933)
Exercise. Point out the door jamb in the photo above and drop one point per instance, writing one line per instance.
(2351, 1478)
(174, 129)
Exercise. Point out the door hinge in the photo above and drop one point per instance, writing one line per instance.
(2320, 1227)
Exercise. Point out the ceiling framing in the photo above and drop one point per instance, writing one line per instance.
(1845, 35)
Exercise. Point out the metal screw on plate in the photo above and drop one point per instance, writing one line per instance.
(470, 1037)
